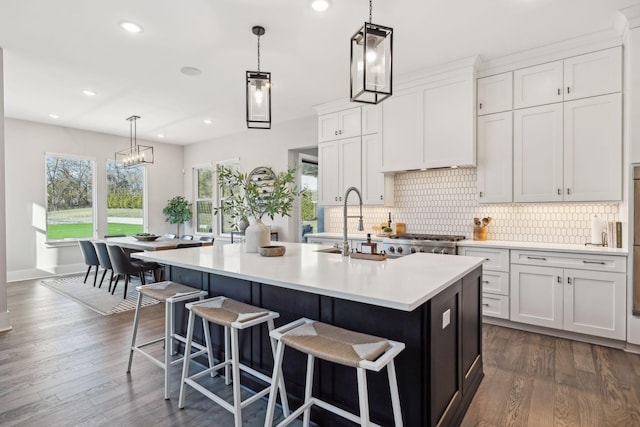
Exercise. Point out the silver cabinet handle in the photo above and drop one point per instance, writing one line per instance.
(559, 92)
(568, 191)
(336, 132)
(559, 280)
(381, 197)
(539, 258)
(569, 280)
(481, 105)
(484, 304)
(593, 262)
(559, 192)
(481, 194)
(336, 198)
(568, 89)
(485, 281)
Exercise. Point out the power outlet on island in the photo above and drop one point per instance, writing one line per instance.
(446, 318)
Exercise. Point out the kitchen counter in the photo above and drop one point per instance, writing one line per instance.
(333, 275)
(558, 247)
(432, 303)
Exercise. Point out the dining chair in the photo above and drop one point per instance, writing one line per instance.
(206, 239)
(186, 237)
(105, 262)
(124, 267)
(90, 258)
(169, 236)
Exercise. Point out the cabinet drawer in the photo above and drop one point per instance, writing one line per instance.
(611, 263)
(495, 259)
(495, 305)
(495, 282)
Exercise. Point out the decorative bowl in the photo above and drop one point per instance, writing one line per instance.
(272, 250)
(149, 238)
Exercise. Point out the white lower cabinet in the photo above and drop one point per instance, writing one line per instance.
(495, 279)
(573, 292)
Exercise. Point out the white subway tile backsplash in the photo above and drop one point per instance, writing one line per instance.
(444, 201)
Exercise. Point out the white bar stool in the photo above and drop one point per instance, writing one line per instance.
(361, 351)
(169, 293)
(234, 316)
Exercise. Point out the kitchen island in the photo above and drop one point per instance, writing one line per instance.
(429, 302)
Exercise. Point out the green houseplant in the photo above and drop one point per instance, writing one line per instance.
(256, 194)
(177, 211)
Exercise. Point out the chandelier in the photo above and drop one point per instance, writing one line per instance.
(136, 154)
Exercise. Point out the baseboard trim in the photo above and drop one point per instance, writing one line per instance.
(5, 322)
(37, 273)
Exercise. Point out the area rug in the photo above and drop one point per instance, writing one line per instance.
(98, 299)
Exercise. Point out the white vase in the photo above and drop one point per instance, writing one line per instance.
(256, 235)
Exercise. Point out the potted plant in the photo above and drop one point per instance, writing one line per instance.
(177, 211)
(254, 195)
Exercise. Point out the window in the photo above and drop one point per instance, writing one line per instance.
(226, 224)
(203, 179)
(70, 197)
(125, 199)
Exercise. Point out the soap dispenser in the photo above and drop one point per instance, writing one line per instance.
(369, 247)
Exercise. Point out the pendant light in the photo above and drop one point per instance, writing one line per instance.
(258, 93)
(371, 62)
(136, 154)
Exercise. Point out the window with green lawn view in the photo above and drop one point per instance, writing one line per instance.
(125, 199)
(70, 197)
(203, 178)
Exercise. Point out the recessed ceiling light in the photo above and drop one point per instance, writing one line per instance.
(89, 92)
(190, 71)
(161, 135)
(131, 27)
(207, 121)
(320, 5)
(54, 116)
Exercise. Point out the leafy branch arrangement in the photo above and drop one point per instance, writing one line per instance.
(262, 192)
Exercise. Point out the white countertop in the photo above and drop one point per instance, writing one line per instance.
(558, 247)
(404, 283)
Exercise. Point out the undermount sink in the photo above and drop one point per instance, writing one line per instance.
(330, 251)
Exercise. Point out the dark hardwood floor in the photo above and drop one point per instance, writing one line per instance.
(63, 364)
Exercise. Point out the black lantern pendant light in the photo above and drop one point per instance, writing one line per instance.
(258, 93)
(136, 154)
(371, 62)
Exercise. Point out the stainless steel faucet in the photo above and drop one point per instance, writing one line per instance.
(345, 244)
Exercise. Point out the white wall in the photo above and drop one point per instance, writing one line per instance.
(255, 148)
(26, 144)
(5, 324)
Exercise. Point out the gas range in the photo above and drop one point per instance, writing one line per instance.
(407, 244)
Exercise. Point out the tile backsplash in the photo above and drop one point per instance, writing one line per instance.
(445, 201)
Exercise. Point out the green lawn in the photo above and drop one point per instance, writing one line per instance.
(78, 231)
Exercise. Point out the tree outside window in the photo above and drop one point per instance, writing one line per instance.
(70, 206)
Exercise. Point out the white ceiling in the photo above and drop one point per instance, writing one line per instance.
(55, 49)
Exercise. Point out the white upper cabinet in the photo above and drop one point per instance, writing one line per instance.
(495, 94)
(596, 73)
(538, 85)
(495, 158)
(582, 76)
(377, 187)
(448, 129)
(371, 119)
(339, 168)
(339, 125)
(537, 154)
(593, 148)
(402, 131)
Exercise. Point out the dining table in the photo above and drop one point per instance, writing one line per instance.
(160, 244)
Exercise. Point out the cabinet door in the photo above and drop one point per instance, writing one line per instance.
(538, 85)
(495, 158)
(377, 187)
(495, 94)
(593, 148)
(350, 166)
(328, 173)
(597, 73)
(371, 119)
(402, 130)
(595, 303)
(328, 126)
(537, 154)
(447, 117)
(350, 123)
(536, 295)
